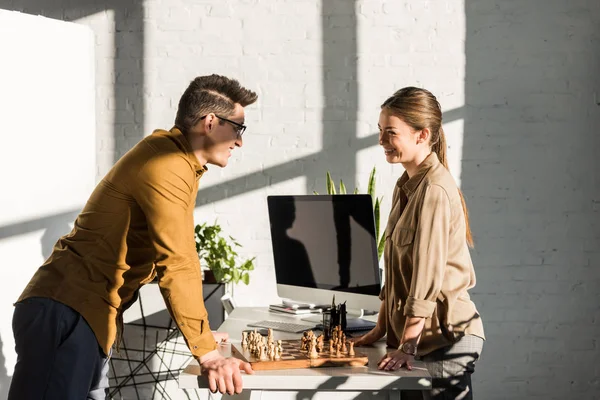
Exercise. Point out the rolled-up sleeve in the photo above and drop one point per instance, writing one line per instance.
(164, 190)
(430, 253)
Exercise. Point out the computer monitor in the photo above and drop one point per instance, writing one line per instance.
(325, 246)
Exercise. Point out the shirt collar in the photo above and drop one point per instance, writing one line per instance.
(409, 185)
(185, 145)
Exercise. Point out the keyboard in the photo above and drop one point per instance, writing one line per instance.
(282, 326)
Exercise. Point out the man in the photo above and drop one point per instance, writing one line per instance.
(137, 224)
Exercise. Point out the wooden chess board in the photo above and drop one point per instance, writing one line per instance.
(292, 358)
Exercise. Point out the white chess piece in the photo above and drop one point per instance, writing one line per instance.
(351, 350)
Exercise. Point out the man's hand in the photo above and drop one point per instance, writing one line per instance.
(395, 360)
(223, 373)
(221, 337)
(369, 338)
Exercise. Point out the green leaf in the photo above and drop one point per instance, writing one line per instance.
(235, 275)
(218, 253)
(376, 215)
(330, 184)
(342, 187)
(381, 247)
(371, 187)
(219, 274)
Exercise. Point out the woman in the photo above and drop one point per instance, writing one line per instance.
(426, 311)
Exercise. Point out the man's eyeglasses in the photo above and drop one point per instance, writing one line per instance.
(239, 127)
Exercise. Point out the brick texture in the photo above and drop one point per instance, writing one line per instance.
(519, 85)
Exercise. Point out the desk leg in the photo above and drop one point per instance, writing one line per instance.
(255, 394)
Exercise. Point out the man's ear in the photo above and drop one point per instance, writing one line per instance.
(209, 122)
(206, 124)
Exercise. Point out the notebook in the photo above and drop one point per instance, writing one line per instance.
(356, 324)
(294, 310)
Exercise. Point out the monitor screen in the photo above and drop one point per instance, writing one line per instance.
(323, 245)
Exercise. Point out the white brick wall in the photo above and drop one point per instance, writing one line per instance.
(531, 91)
(518, 82)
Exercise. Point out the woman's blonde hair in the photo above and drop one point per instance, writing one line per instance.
(419, 109)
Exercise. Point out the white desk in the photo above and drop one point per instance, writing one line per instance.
(310, 383)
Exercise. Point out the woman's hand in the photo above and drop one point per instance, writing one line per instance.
(369, 338)
(394, 360)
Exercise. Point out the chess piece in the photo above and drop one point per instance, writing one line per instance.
(344, 349)
(254, 347)
(331, 346)
(271, 351)
(351, 350)
(244, 339)
(313, 349)
(304, 344)
(279, 349)
(337, 349)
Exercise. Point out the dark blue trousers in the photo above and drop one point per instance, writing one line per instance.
(58, 356)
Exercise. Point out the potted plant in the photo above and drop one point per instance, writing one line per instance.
(331, 189)
(219, 258)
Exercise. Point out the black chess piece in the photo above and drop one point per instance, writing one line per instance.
(343, 321)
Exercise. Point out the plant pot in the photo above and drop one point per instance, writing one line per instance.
(209, 276)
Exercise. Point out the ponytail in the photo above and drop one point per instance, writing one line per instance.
(440, 148)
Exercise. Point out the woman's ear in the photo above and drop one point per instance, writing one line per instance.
(423, 135)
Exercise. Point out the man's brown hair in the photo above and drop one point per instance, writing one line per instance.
(211, 94)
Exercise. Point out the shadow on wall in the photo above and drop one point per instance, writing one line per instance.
(339, 116)
(340, 92)
(4, 378)
(529, 174)
(51, 235)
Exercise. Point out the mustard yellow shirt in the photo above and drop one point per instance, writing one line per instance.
(137, 224)
(428, 268)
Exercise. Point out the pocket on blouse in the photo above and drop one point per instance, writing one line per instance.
(403, 236)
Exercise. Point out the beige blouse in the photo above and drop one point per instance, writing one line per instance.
(428, 268)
